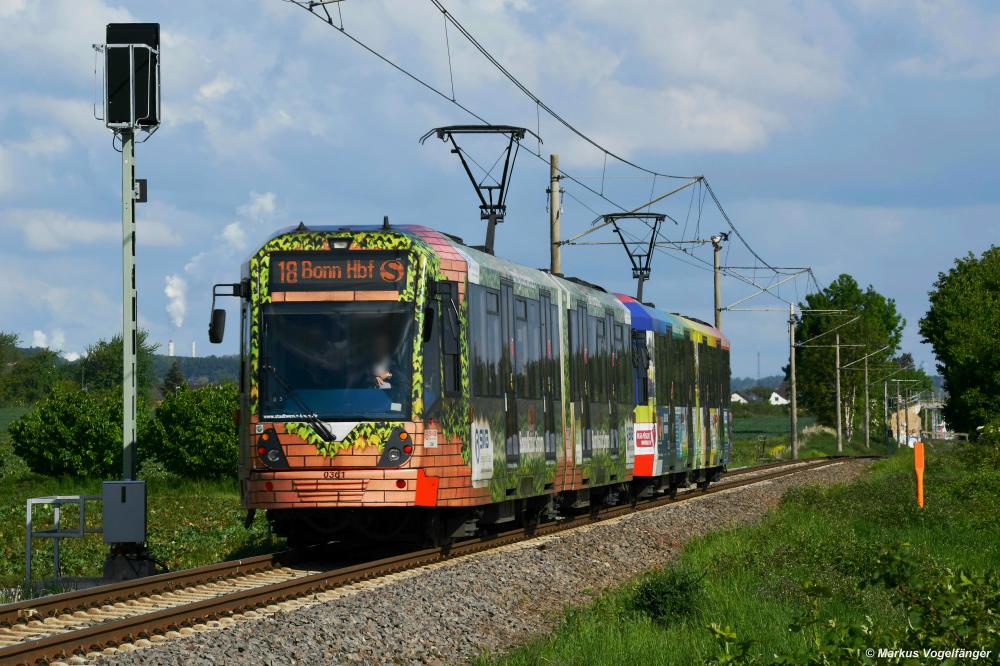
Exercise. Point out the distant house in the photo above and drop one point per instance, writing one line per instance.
(739, 398)
(779, 396)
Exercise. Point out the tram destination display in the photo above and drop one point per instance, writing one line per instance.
(326, 271)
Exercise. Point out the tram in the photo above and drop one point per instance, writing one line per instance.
(396, 380)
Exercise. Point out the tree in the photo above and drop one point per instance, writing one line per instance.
(195, 432)
(29, 378)
(102, 366)
(878, 325)
(74, 432)
(8, 349)
(174, 379)
(961, 325)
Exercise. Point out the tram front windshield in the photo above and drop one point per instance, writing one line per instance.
(336, 361)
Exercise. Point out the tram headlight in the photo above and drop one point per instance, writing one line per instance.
(393, 455)
(273, 455)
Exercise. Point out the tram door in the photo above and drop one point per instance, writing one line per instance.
(690, 382)
(666, 401)
(615, 354)
(549, 366)
(598, 357)
(512, 444)
(582, 388)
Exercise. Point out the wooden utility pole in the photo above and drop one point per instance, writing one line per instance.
(840, 437)
(791, 368)
(556, 259)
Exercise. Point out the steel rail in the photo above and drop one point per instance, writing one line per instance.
(144, 625)
(68, 602)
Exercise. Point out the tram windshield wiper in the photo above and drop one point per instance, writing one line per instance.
(311, 416)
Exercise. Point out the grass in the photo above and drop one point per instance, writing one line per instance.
(759, 438)
(752, 578)
(191, 523)
(10, 464)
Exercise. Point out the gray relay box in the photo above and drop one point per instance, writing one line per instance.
(124, 511)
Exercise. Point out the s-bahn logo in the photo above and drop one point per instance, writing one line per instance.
(330, 271)
(392, 270)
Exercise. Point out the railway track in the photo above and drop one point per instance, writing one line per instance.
(86, 621)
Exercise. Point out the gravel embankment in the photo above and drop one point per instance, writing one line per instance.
(453, 611)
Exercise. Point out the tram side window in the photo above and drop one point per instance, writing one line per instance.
(661, 369)
(640, 368)
(535, 347)
(705, 374)
(575, 356)
(484, 336)
(717, 377)
(432, 359)
(622, 365)
(726, 380)
(711, 376)
(716, 397)
(520, 347)
(449, 325)
(597, 359)
(671, 378)
(685, 361)
(527, 348)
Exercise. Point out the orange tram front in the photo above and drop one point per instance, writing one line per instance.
(396, 383)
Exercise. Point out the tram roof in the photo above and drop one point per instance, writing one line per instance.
(646, 318)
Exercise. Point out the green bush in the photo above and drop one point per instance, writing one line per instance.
(74, 432)
(194, 432)
(667, 595)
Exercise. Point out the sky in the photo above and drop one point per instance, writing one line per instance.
(854, 136)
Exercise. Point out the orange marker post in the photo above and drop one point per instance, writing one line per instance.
(918, 466)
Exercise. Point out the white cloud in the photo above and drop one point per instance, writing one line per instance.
(958, 40)
(57, 340)
(11, 7)
(260, 206)
(62, 30)
(71, 356)
(74, 115)
(53, 231)
(215, 89)
(155, 233)
(43, 144)
(6, 172)
(50, 230)
(176, 293)
(235, 236)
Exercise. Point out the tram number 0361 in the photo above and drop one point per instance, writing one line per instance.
(333, 475)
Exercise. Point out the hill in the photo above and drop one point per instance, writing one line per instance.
(743, 383)
(201, 370)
